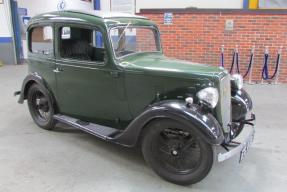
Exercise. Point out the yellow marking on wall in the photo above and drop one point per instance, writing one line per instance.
(253, 4)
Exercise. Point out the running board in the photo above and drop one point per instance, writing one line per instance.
(100, 131)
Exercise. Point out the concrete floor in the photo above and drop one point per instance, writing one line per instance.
(32, 159)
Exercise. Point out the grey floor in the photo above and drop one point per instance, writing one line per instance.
(32, 159)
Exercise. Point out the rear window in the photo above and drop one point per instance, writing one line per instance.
(41, 40)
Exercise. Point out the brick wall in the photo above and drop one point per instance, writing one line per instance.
(145, 40)
(197, 35)
(38, 35)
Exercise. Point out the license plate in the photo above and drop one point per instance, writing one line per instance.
(246, 147)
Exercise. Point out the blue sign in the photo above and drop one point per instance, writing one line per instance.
(22, 11)
(26, 20)
(61, 5)
(168, 18)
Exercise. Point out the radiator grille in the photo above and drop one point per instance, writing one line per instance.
(225, 102)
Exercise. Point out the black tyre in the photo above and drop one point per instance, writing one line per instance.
(41, 107)
(175, 153)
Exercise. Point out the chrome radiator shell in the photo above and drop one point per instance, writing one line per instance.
(224, 103)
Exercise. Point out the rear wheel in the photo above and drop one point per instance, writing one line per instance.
(40, 106)
(176, 153)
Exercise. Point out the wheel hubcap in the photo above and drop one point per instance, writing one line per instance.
(174, 152)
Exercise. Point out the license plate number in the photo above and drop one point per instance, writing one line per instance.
(246, 148)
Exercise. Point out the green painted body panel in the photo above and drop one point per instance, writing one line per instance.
(153, 77)
(116, 91)
(152, 63)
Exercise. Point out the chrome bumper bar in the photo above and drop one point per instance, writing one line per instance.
(236, 150)
(239, 147)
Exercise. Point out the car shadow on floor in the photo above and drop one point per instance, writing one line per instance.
(129, 153)
(132, 160)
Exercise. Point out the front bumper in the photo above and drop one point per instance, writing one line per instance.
(241, 146)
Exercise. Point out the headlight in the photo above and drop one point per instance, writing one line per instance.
(208, 96)
(236, 81)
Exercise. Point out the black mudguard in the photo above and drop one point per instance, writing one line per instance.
(27, 82)
(241, 104)
(204, 124)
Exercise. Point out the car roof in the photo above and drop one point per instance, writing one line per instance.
(106, 14)
(93, 16)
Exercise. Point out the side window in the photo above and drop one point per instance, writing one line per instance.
(41, 40)
(81, 44)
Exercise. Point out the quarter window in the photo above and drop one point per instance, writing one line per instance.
(81, 44)
(41, 40)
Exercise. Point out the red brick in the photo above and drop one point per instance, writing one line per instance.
(198, 37)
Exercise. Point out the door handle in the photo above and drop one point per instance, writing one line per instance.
(115, 74)
(57, 70)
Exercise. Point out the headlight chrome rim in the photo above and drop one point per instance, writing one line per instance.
(209, 96)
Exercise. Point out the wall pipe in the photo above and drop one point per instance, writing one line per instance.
(97, 4)
(9, 6)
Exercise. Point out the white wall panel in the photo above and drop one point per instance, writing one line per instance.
(273, 4)
(5, 24)
(39, 6)
(157, 4)
(225, 4)
(36, 7)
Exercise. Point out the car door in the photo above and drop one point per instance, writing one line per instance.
(41, 56)
(88, 86)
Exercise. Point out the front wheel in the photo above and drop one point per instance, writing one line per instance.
(175, 152)
(41, 107)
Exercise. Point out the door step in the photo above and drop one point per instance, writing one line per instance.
(94, 129)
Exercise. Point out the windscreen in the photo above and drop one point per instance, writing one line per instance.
(128, 40)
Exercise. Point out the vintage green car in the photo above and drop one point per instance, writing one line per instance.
(105, 73)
